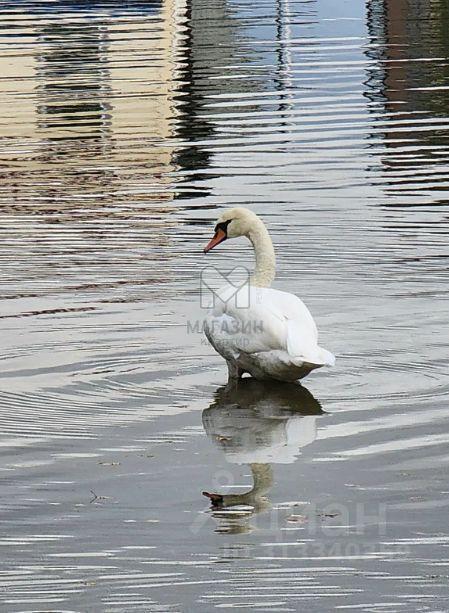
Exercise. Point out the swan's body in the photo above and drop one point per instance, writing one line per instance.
(265, 332)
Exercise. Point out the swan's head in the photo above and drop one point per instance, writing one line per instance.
(232, 224)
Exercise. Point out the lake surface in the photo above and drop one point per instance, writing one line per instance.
(125, 128)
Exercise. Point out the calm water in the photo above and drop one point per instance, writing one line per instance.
(124, 128)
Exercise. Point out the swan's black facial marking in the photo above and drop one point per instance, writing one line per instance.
(223, 226)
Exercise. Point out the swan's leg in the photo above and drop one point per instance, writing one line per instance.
(234, 372)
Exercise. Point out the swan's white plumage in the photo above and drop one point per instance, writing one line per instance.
(274, 336)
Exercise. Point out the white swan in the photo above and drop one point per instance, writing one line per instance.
(265, 332)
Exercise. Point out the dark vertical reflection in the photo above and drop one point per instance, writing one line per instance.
(191, 125)
(282, 78)
(410, 79)
(215, 34)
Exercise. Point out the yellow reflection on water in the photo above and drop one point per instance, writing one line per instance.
(88, 107)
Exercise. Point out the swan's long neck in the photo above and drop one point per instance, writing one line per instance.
(265, 259)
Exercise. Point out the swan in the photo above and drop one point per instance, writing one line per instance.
(265, 332)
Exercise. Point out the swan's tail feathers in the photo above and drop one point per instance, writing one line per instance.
(316, 359)
(328, 358)
(301, 343)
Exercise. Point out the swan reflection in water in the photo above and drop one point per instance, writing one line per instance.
(257, 423)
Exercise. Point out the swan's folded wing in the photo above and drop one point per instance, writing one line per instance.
(257, 329)
(273, 320)
(234, 326)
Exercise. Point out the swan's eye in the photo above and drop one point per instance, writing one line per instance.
(223, 226)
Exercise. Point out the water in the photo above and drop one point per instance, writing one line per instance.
(125, 128)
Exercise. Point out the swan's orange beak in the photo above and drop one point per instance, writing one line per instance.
(218, 238)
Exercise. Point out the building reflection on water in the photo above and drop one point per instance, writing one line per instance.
(410, 78)
(92, 125)
(106, 113)
(111, 103)
(88, 106)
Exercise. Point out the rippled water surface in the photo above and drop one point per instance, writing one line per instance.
(124, 128)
